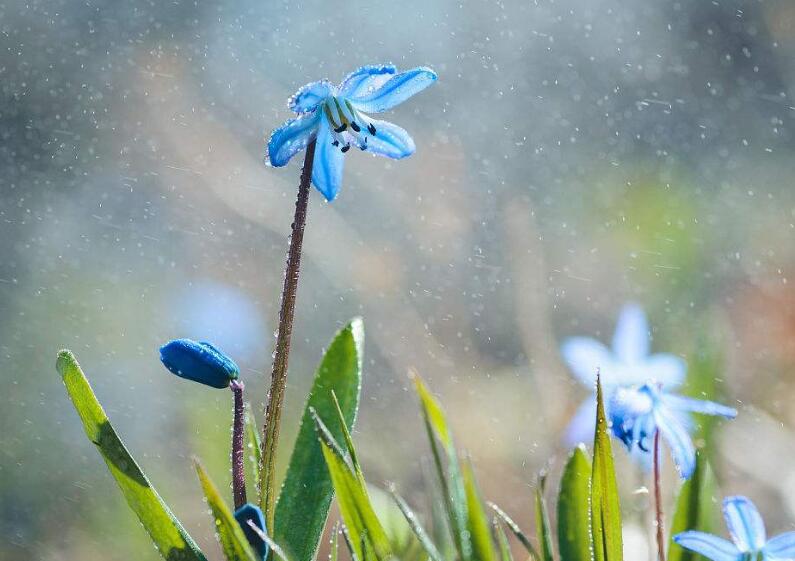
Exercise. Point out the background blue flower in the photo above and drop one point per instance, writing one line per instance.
(748, 537)
(628, 363)
(336, 117)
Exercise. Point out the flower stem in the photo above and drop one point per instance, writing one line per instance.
(273, 409)
(238, 469)
(658, 509)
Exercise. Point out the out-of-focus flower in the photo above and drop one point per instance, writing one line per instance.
(637, 413)
(749, 539)
(249, 512)
(336, 117)
(627, 364)
(200, 362)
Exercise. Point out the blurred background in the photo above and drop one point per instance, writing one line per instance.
(573, 156)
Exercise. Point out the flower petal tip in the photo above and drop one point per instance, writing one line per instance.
(252, 513)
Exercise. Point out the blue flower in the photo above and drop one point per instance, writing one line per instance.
(637, 413)
(336, 117)
(628, 363)
(249, 512)
(749, 539)
(200, 362)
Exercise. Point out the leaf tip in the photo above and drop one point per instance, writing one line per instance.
(65, 359)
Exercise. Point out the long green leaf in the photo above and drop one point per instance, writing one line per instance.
(230, 535)
(696, 508)
(574, 536)
(423, 537)
(254, 444)
(517, 531)
(502, 541)
(305, 497)
(605, 506)
(543, 528)
(367, 535)
(451, 480)
(166, 531)
(477, 521)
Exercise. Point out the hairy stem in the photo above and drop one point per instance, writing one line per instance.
(238, 428)
(658, 509)
(273, 411)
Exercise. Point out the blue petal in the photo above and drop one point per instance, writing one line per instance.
(200, 362)
(678, 440)
(583, 424)
(711, 547)
(631, 339)
(310, 96)
(328, 163)
(665, 369)
(251, 512)
(389, 140)
(395, 91)
(781, 547)
(586, 356)
(292, 137)
(365, 79)
(744, 522)
(699, 406)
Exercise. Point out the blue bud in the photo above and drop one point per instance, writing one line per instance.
(250, 512)
(200, 362)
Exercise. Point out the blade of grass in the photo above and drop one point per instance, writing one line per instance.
(305, 498)
(477, 521)
(543, 530)
(502, 540)
(230, 535)
(167, 533)
(514, 527)
(450, 480)
(574, 533)
(416, 527)
(254, 444)
(605, 506)
(354, 502)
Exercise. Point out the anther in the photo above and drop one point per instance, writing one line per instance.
(335, 143)
(345, 148)
(355, 127)
(371, 128)
(341, 128)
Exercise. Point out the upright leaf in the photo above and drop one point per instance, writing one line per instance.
(167, 533)
(416, 527)
(517, 531)
(254, 444)
(605, 506)
(574, 536)
(367, 536)
(543, 528)
(230, 535)
(696, 508)
(450, 480)
(305, 497)
(502, 541)
(477, 521)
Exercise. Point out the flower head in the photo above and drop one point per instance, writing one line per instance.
(748, 537)
(200, 362)
(628, 363)
(336, 116)
(637, 413)
(249, 512)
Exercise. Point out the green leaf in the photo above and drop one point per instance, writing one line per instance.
(166, 531)
(416, 527)
(574, 536)
(305, 497)
(477, 521)
(367, 535)
(605, 506)
(254, 445)
(502, 541)
(517, 531)
(230, 535)
(450, 480)
(696, 508)
(543, 530)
